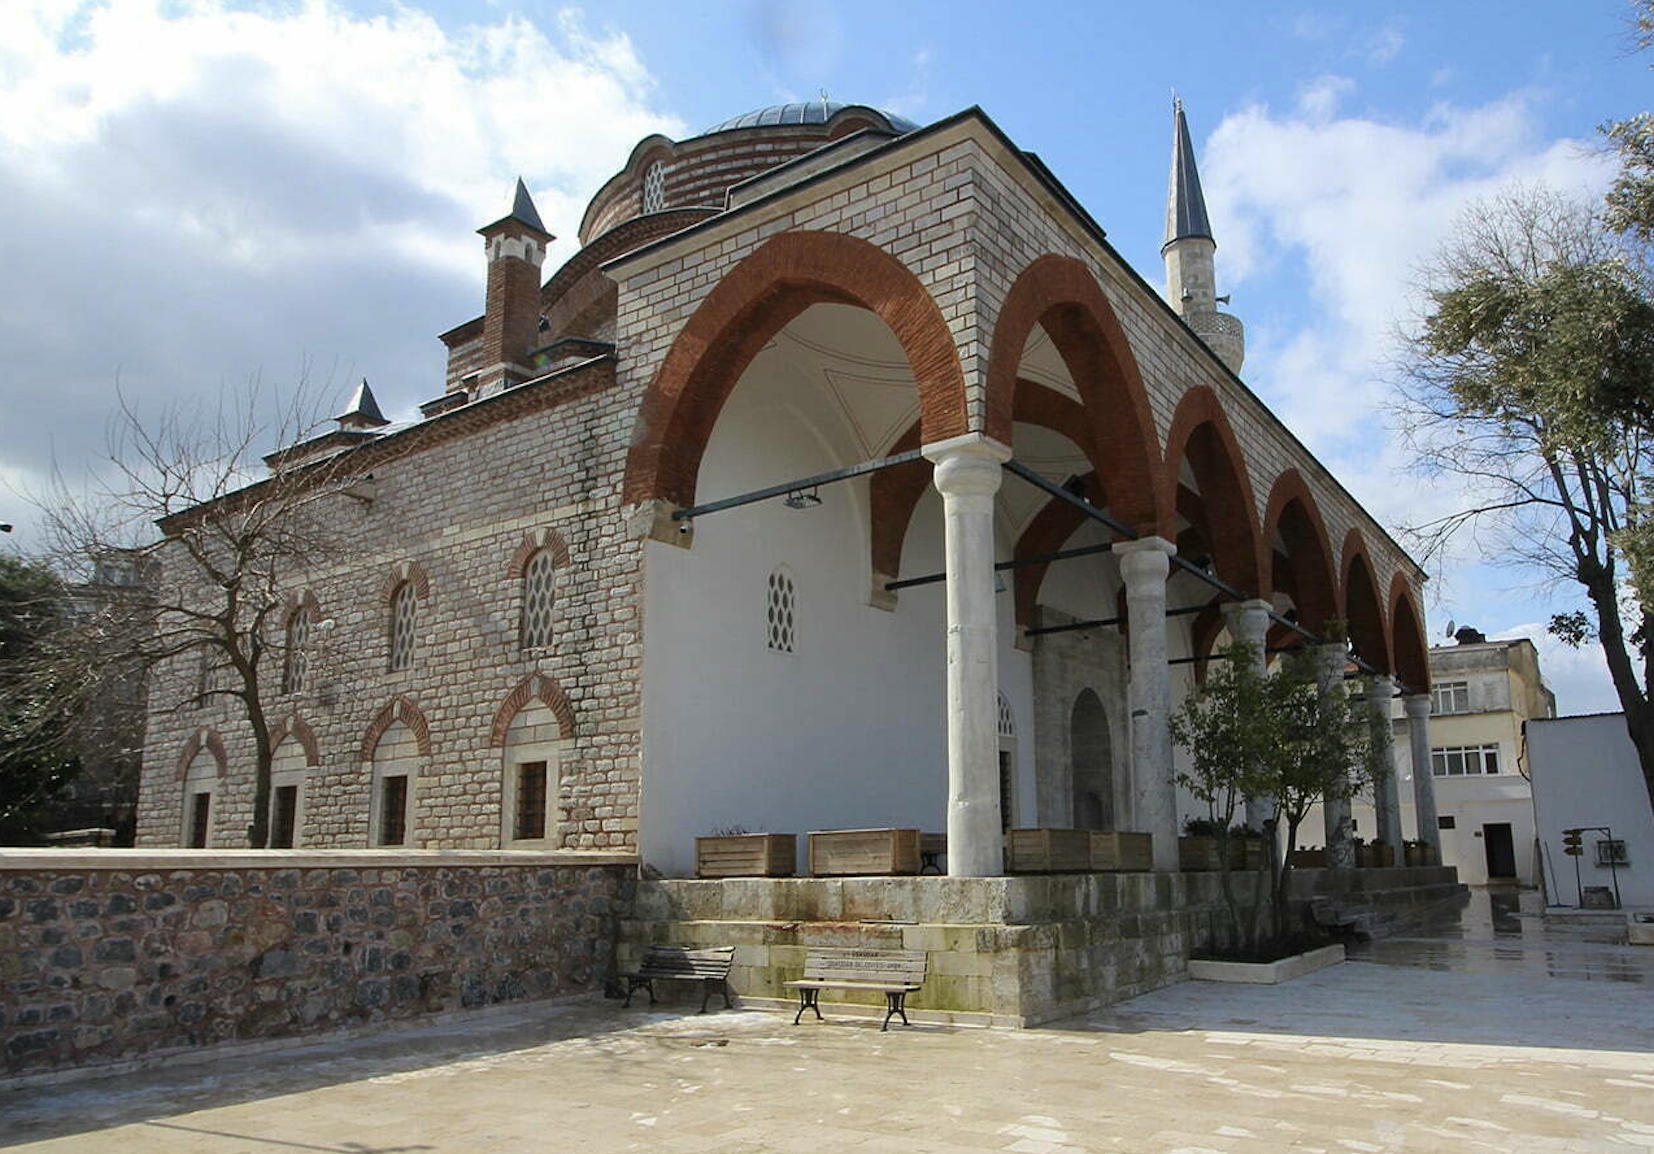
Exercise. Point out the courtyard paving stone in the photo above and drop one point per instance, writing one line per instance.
(1410, 1047)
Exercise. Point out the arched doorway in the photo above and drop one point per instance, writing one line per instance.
(1093, 763)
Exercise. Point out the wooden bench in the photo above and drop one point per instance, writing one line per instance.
(893, 973)
(709, 967)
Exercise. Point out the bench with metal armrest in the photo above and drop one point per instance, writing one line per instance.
(894, 973)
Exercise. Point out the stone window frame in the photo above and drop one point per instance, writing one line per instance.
(554, 750)
(1005, 727)
(292, 730)
(781, 617)
(201, 768)
(537, 623)
(540, 546)
(405, 585)
(653, 185)
(302, 620)
(401, 711)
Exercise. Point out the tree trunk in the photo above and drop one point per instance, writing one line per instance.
(1639, 713)
(258, 831)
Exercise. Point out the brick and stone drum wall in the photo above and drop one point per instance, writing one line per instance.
(104, 964)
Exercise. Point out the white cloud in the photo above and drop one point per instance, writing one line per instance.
(1318, 100)
(194, 192)
(1385, 44)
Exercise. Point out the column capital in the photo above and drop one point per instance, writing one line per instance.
(967, 465)
(1144, 545)
(1384, 686)
(1416, 705)
(1250, 605)
(1145, 560)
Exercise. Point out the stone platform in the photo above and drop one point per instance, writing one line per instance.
(1012, 951)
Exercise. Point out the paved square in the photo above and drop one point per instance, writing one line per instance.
(1484, 1051)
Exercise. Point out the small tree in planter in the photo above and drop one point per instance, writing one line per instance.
(1277, 736)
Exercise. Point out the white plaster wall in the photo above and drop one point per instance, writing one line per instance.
(850, 730)
(1585, 773)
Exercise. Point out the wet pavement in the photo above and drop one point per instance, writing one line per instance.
(1492, 1034)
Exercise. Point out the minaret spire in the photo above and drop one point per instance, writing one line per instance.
(1191, 275)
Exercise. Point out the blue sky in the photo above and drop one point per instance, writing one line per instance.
(200, 192)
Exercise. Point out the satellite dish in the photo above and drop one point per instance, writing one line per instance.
(1450, 629)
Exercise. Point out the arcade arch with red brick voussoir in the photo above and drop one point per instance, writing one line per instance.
(754, 301)
(1305, 571)
(1060, 294)
(1407, 637)
(1201, 435)
(895, 493)
(1363, 611)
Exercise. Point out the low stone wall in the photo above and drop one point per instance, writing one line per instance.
(112, 955)
(1009, 950)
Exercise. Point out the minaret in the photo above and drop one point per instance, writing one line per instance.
(1191, 283)
(516, 247)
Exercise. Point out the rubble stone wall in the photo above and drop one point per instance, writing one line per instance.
(103, 963)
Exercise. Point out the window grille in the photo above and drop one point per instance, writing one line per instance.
(1007, 719)
(295, 667)
(539, 593)
(654, 187)
(404, 620)
(1611, 851)
(283, 818)
(782, 608)
(200, 805)
(531, 800)
(393, 810)
(1450, 697)
(1447, 821)
(1464, 760)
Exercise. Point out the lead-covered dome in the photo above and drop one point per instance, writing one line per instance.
(695, 174)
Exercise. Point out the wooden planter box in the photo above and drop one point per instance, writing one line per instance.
(1420, 855)
(1309, 859)
(1377, 856)
(1197, 853)
(836, 853)
(746, 855)
(1122, 852)
(1049, 851)
(1248, 853)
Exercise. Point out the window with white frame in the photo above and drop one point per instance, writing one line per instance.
(404, 624)
(539, 593)
(1450, 697)
(297, 658)
(781, 609)
(1464, 760)
(654, 187)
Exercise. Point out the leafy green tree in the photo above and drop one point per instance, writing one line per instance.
(1530, 380)
(37, 708)
(1285, 736)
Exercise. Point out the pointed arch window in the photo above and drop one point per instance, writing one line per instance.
(539, 598)
(1007, 727)
(296, 663)
(404, 625)
(781, 612)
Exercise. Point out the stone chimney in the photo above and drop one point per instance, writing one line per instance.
(516, 248)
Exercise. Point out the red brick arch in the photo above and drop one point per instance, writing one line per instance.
(209, 740)
(1059, 294)
(1363, 610)
(1407, 637)
(295, 728)
(1201, 434)
(895, 493)
(531, 544)
(1293, 514)
(404, 710)
(755, 300)
(405, 572)
(535, 687)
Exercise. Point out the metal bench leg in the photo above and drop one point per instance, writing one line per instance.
(632, 985)
(706, 992)
(808, 1000)
(895, 1003)
(724, 984)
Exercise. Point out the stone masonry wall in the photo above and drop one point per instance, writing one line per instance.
(101, 963)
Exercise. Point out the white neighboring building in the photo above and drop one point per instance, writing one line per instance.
(1585, 773)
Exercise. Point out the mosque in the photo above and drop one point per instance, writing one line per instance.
(846, 477)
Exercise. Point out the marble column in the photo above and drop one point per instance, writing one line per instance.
(1386, 792)
(1417, 707)
(968, 475)
(1248, 623)
(1144, 564)
(1335, 810)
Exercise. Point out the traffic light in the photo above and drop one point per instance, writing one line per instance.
(1573, 842)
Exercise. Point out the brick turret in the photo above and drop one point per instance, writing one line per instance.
(516, 247)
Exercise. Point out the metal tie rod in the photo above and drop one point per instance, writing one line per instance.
(1000, 566)
(783, 489)
(1101, 621)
